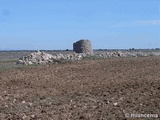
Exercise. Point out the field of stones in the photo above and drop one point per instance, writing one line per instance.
(109, 85)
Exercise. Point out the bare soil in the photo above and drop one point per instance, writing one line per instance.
(88, 90)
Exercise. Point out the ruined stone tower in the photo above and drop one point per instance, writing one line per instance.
(83, 46)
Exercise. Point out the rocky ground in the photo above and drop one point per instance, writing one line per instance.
(106, 89)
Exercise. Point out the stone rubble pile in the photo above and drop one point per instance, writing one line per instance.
(125, 54)
(43, 58)
(110, 54)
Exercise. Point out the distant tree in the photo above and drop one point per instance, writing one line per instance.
(157, 48)
(131, 49)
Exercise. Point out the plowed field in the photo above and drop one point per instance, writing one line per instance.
(108, 89)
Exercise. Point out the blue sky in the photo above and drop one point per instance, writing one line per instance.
(56, 24)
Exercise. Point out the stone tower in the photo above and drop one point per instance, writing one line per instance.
(83, 46)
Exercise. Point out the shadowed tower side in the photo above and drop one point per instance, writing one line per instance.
(83, 46)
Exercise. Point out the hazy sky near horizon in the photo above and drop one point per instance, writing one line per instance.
(56, 24)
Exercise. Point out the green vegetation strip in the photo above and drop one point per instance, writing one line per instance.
(8, 61)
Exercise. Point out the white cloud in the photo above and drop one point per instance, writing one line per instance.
(148, 22)
(122, 25)
(136, 23)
